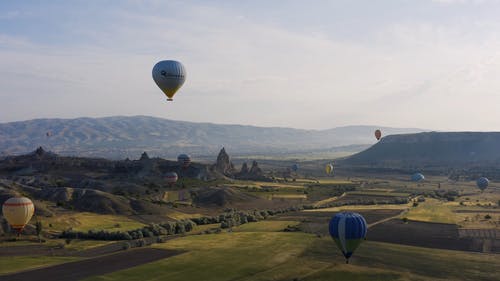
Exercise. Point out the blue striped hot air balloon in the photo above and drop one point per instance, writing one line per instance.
(417, 177)
(348, 230)
(184, 160)
(482, 183)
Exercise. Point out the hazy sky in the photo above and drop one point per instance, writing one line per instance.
(304, 64)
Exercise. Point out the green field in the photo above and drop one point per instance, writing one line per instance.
(255, 252)
(285, 256)
(432, 210)
(18, 263)
(379, 193)
(265, 226)
(87, 221)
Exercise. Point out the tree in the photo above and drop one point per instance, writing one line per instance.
(39, 228)
(180, 228)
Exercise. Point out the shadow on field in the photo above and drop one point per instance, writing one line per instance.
(90, 267)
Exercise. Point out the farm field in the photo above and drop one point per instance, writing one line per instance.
(285, 256)
(406, 238)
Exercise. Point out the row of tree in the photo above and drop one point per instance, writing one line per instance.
(168, 228)
(233, 217)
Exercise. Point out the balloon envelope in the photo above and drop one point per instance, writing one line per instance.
(378, 134)
(171, 177)
(184, 160)
(295, 167)
(417, 177)
(18, 212)
(169, 75)
(348, 230)
(482, 183)
(329, 168)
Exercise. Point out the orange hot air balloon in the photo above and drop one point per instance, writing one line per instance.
(378, 134)
(18, 212)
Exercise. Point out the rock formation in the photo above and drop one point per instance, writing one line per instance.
(144, 156)
(254, 173)
(244, 169)
(224, 164)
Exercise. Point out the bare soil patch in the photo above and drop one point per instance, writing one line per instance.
(422, 234)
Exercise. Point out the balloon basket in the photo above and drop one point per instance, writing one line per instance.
(170, 99)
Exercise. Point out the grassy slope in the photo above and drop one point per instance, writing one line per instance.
(285, 256)
(13, 264)
(87, 221)
(432, 210)
(265, 226)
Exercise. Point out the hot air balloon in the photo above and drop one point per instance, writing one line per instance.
(417, 177)
(295, 167)
(18, 212)
(169, 75)
(482, 183)
(378, 134)
(329, 168)
(184, 160)
(171, 178)
(348, 230)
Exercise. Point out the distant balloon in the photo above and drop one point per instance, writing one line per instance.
(295, 167)
(184, 160)
(482, 183)
(169, 75)
(348, 230)
(18, 212)
(378, 134)
(417, 177)
(49, 134)
(171, 178)
(329, 168)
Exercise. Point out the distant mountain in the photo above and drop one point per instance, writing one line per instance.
(120, 137)
(446, 149)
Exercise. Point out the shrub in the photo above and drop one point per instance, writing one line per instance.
(126, 246)
(141, 243)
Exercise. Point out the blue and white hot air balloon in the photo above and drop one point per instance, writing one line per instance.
(417, 177)
(482, 183)
(348, 230)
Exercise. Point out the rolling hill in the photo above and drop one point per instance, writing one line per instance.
(119, 137)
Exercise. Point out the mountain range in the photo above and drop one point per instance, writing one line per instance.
(119, 137)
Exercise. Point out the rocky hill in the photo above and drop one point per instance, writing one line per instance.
(118, 186)
(122, 137)
(431, 149)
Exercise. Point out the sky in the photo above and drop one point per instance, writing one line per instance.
(303, 64)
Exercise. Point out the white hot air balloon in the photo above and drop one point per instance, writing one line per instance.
(169, 75)
(18, 212)
(171, 178)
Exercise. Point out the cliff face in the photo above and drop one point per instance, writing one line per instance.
(433, 148)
